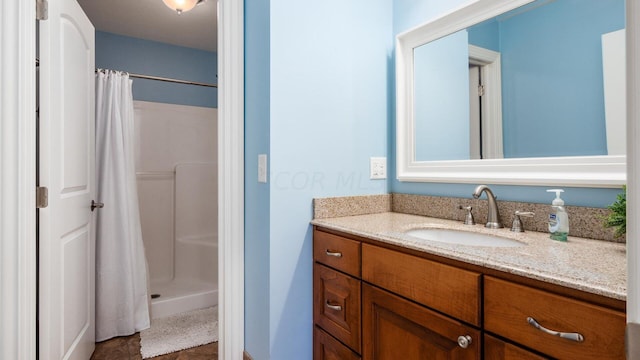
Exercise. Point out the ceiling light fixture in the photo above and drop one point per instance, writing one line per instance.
(181, 6)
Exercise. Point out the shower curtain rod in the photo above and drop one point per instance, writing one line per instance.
(178, 81)
(149, 77)
(158, 78)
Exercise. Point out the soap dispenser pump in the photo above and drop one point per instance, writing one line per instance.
(558, 218)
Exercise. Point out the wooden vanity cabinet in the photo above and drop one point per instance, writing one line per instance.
(390, 316)
(395, 304)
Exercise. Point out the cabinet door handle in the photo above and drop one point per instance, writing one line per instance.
(464, 341)
(333, 307)
(569, 336)
(333, 253)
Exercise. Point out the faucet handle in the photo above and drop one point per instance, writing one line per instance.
(468, 219)
(516, 226)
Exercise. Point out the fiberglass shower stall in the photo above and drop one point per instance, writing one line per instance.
(176, 172)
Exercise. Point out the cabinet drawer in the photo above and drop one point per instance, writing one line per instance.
(445, 288)
(336, 304)
(325, 347)
(496, 349)
(337, 252)
(507, 307)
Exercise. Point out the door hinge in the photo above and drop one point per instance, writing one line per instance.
(42, 197)
(42, 9)
(480, 90)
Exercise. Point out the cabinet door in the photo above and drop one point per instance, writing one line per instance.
(325, 347)
(395, 328)
(336, 304)
(496, 349)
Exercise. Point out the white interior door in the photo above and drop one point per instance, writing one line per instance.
(67, 169)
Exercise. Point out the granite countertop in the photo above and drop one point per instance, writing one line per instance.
(593, 266)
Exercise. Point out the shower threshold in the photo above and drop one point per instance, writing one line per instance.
(181, 295)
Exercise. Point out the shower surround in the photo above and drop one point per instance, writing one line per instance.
(176, 171)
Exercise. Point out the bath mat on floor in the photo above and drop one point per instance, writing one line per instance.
(179, 332)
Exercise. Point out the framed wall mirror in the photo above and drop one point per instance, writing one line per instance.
(516, 92)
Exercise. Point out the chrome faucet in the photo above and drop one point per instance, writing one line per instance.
(493, 216)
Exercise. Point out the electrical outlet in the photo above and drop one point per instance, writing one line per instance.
(378, 168)
(262, 168)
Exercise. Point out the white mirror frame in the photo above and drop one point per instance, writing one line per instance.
(582, 171)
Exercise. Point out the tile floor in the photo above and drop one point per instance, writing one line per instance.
(128, 348)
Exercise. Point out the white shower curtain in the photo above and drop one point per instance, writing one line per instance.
(122, 306)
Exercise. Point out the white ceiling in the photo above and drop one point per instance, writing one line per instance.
(152, 20)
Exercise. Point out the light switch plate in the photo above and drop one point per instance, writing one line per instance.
(262, 168)
(378, 168)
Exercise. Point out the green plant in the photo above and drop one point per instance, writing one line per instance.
(618, 214)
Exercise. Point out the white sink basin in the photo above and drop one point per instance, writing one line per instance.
(462, 238)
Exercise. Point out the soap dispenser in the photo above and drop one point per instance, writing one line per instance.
(558, 218)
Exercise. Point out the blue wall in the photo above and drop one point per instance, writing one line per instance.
(441, 92)
(410, 13)
(328, 116)
(146, 57)
(553, 97)
(319, 108)
(486, 35)
(257, 217)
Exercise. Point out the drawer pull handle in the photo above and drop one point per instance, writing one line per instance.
(464, 341)
(333, 307)
(333, 253)
(577, 337)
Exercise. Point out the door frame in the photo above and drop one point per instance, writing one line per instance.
(17, 180)
(231, 179)
(633, 160)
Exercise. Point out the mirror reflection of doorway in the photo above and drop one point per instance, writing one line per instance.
(475, 111)
(485, 104)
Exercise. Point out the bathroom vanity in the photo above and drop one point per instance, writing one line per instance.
(381, 294)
